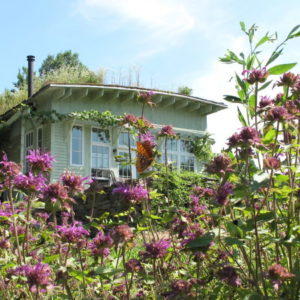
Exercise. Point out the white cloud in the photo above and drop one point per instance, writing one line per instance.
(159, 18)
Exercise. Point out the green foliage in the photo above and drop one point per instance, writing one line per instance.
(179, 185)
(61, 60)
(201, 147)
(184, 90)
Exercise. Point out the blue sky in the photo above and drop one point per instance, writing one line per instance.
(169, 42)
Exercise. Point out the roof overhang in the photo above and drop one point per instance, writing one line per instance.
(62, 91)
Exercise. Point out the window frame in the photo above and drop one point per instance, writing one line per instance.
(125, 148)
(39, 129)
(27, 148)
(109, 145)
(82, 146)
(179, 153)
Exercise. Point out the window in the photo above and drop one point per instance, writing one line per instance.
(40, 138)
(126, 169)
(100, 148)
(76, 145)
(28, 147)
(180, 155)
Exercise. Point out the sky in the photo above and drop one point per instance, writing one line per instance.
(166, 43)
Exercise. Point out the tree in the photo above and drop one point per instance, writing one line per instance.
(185, 90)
(61, 59)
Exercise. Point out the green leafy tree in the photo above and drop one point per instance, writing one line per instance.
(61, 59)
(185, 90)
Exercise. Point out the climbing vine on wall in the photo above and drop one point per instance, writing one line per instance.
(104, 119)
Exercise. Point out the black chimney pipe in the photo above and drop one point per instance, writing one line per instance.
(30, 59)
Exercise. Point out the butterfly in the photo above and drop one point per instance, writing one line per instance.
(145, 156)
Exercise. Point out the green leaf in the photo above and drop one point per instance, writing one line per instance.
(265, 216)
(292, 34)
(233, 241)
(241, 117)
(262, 41)
(274, 56)
(232, 99)
(51, 258)
(279, 69)
(202, 241)
(265, 85)
(269, 136)
(241, 83)
(243, 26)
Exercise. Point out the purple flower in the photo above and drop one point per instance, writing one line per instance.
(56, 192)
(8, 171)
(40, 162)
(167, 131)
(134, 194)
(248, 136)
(148, 138)
(296, 88)
(278, 113)
(287, 79)
(181, 286)
(265, 101)
(121, 234)
(277, 273)
(229, 275)
(223, 192)
(219, 165)
(100, 244)
(272, 163)
(74, 183)
(73, 233)
(203, 192)
(256, 75)
(133, 265)
(146, 97)
(30, 183)
(156, 249)
(5, 244)
(37, 276)
(129, 119)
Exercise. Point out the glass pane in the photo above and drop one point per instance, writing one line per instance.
(77, 145)
(123, 139)
(185, 146)
(100, 135)
(172, 145)
(100, 157)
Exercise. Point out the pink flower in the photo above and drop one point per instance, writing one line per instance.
(256, 75)
(219, 165)
(272, 163)
(133, 265)
(40, 162)
(72, 233)
(288, 79)
(278, 113)
(223, 192)
(246, 137)
(229, 275)
(55, 192)
(8, 171)
(100, 244)
(121, 234)
(156, 249)
(265, 101)
(37, 276)
(148, 138)
(134, 194)
(30, 183)
(167, 131)
(74, 183)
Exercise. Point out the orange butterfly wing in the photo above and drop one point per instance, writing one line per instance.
(145, 156)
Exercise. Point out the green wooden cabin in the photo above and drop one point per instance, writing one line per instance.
(81, 146)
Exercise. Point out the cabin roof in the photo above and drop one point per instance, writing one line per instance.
(67, 88)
